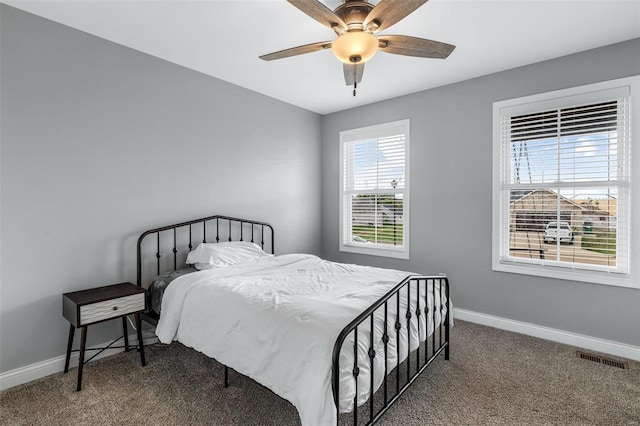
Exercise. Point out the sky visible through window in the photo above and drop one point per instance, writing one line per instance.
(569, 159)
(379, 163)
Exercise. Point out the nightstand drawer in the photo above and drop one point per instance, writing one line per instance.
(113, 308)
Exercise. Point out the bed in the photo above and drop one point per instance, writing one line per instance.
(330, 338)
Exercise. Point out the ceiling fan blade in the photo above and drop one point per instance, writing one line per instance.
(389, 12)
(414, 46)
(353, 73)
(321, 13)
(298, 50)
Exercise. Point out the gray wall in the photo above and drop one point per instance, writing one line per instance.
(451, 172)
(101, 142)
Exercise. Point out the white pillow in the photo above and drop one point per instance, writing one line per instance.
(202, 266)
(210, 255)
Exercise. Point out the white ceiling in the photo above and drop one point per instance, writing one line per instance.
(224, 38)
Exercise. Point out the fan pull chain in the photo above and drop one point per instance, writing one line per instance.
(355, 59)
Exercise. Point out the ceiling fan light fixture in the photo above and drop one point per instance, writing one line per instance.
(355, 47)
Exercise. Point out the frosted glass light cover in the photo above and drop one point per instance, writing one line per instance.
(355, 47)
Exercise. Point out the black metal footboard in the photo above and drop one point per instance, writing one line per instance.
(408, 300)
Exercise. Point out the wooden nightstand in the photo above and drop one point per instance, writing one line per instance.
(86, 307)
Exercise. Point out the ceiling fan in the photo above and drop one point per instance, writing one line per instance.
(356, 24)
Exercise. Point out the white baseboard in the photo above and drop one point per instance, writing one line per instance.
(560, 336)
(56, 365)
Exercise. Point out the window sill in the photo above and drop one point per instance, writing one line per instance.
(604, 278)
(377, 251)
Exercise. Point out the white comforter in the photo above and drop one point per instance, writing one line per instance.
(276, 320)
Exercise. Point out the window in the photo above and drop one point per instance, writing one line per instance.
(564, 200)
(374, 190)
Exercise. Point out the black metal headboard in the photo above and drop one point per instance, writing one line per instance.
(226, 229)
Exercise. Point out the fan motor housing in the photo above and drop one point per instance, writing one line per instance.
(353, 13)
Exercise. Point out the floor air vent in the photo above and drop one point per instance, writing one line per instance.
(602, 360)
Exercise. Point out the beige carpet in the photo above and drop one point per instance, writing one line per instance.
(494, 377)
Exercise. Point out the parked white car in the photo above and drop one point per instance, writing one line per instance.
(558, 231)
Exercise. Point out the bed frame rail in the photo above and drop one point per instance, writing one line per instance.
(415, 289)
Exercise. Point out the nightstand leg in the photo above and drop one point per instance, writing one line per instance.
(83, 343)
(126, 333)
(72, 330)
(140, 341)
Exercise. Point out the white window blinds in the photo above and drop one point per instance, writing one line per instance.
(374, 190)
(564, 190)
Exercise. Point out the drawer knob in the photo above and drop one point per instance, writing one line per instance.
(115, 308)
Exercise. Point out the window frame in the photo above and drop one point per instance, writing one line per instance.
(371, 132)
(555, 99)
